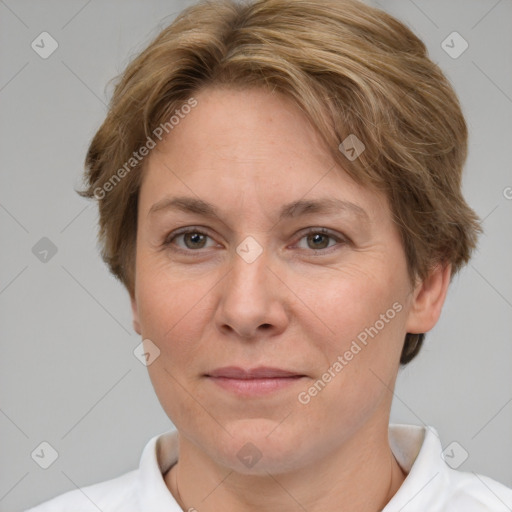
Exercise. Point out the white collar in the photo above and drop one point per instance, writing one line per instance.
(427, 487)
(418, 451)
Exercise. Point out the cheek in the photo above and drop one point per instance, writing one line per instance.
(171, 310)
(366, 314)
(359, 305)
(360, 357)
(172, 316)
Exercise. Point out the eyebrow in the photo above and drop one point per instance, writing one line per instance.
(326, 205)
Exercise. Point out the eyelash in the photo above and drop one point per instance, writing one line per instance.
(168, 242)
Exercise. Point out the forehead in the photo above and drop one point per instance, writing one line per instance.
(241, 144)
(245, 125)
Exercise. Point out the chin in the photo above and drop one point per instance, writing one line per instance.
(260, 446)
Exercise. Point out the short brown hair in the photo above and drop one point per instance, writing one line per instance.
(352, 69)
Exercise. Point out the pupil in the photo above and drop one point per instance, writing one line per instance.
(317, 238)
(195, 237)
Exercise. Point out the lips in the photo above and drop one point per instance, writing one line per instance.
(253, 382)
(262, 372)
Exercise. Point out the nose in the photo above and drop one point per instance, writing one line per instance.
(253, 301)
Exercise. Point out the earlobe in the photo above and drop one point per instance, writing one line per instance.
(135, 315)
(428, 299)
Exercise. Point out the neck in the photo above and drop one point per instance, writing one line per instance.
(362, 477)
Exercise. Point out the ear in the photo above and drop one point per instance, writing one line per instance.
(428, 299)
(135, 314)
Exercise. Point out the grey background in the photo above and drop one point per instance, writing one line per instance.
(68, 373)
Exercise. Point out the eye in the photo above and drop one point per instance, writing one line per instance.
(192, 238)
(318, 239)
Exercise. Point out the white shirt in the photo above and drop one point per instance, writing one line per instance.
(431, 484)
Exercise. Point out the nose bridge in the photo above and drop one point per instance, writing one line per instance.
(249, 266)
(249, 296)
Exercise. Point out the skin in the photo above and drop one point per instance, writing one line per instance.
(298, 306)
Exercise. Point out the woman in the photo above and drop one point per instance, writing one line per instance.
(279, 192)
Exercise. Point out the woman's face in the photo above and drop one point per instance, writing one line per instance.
(320, 291)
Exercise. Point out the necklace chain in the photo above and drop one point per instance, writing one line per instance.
(176, 484)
